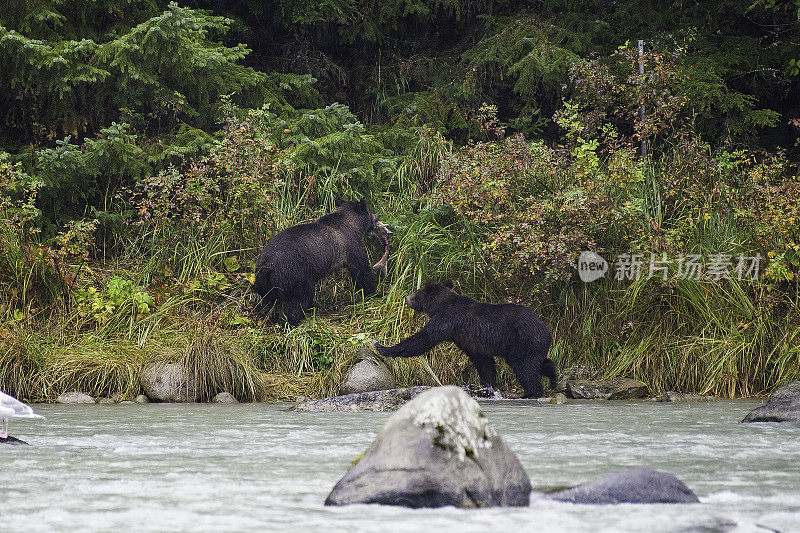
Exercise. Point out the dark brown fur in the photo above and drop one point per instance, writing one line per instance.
(484, 331)
(297, 258)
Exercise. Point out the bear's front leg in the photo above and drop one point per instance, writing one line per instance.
(417, 344)
(487, 372)
(361, 272)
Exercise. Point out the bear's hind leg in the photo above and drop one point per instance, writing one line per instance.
(297, 306)
(528, 373)
(266, 304)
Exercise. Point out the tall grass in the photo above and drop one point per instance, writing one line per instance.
(708, 337)
(725, 338)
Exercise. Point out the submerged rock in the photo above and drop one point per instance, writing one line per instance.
(383, 400)
(606, 389)
(75, 397)
(224, 397)
(672, 396)
(13, 441)
(638, 485)
(168, 382)
(783, 405)
(437, 450)
(368, 375)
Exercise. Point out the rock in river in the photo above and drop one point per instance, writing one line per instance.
(606, 389)
(382, 400)
(638, 485)
(437, 450)
(224, 397)
(13, 441)
(75, 397)
(672, 396)
(783, 405)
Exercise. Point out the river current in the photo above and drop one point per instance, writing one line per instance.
(258, 467)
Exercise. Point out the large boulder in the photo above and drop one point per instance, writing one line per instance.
(606, 389)
(168, 382)
(437, 450)
(368, 375)
(75, 397)
(783, 405)
(637, 485)
(382, 400)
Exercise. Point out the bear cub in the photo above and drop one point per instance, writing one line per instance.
(297, 258)
(483, 331)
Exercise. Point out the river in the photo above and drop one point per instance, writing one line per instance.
(258, 467)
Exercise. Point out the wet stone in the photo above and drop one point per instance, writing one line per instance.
(75, 397)
(383, 400)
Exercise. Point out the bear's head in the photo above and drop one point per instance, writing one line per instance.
(430, 296)
(359, 212)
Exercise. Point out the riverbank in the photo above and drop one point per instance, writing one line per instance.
(216, 336)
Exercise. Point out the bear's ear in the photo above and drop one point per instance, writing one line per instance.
(337, 201)
(363, 204)
(448, 283)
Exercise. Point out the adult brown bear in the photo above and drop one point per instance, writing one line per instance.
(297, 258)
(483, 331)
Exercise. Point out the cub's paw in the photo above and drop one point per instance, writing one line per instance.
(379, 348)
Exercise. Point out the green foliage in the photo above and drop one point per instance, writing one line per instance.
(162, 71)
(171, 68)
(535, 56)
(120, 298)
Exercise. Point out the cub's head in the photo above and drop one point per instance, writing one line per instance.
(430, 296)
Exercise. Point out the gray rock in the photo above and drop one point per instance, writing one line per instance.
(572, 373)
(142, 399)
(75, 397)
(783, 405)
(224, 397)
(437, 450)
(606, 389)
(128, 402)
(168, 382)
(382, 400)
(672, 396)
(637, 485)
(107, 401)
(368, 375)
(558, 399)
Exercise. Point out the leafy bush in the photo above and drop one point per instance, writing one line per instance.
(121, 300)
